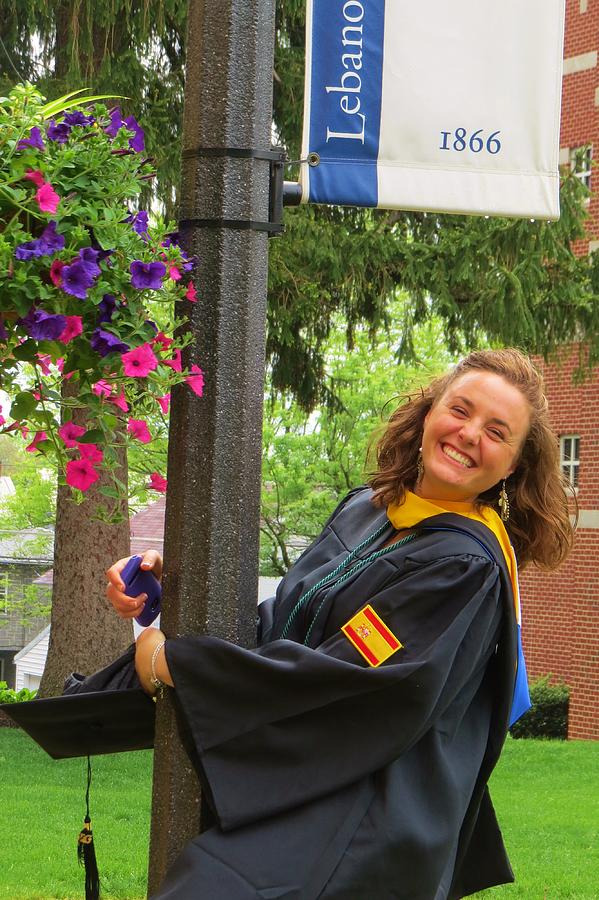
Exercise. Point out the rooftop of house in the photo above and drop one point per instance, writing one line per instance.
(29, 546)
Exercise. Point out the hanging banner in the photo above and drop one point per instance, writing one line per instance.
(441, 106)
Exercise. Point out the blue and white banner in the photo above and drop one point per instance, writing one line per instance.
(441, 106)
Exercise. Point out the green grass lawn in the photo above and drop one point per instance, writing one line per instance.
(42, 805)
(546, 795)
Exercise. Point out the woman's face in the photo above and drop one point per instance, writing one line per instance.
(472, 437)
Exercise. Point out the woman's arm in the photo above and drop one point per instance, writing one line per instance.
(128, 608)
(145, 648)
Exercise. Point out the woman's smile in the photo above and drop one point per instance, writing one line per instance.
(457, 456)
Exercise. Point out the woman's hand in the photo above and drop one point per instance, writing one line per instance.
(129, 607)
(145, 646)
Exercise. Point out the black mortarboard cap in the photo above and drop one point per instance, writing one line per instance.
(105, 712)
(88, 723)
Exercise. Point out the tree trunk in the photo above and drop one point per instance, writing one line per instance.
(63, 15)
(85, 632)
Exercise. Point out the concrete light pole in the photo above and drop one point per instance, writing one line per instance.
(212, 513)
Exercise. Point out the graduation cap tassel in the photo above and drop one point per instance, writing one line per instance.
(86, 851)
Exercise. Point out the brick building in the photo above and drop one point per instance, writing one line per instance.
(561, 611)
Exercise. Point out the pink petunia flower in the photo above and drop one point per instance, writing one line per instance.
(191, 292)
(102, 388)
(175, 362)
(44, 360)
(39, 436)
(196, 380)
(91, 452)
(47, 198)
(73, 329)
(174, 273)
(139, 362)
(69, 432)
(55, 273)
(36, 176)
(163, 340)
(157, 483)
(81, 474)
(24, 431)
(119, 401)
(163, 402)
(2, 420)
(138, 429)
(60, 363)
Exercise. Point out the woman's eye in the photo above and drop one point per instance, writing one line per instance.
(459, 410)
(496, 434)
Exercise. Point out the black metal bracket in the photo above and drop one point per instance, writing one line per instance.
(281, 193)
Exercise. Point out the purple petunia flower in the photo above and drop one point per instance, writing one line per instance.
(78, 118)
(137, 142)
(103, 342)
(42, 326)
(89, 258)
(76, 279)
(139, 223)
(116, 122)
(106, 308)
(48, 243)
(147, 275)
(58, 132)
(50, 240)
(173, 239)
(3, 331)
(34, 140)
(27, 251)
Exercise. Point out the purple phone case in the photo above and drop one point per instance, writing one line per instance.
(138, 582)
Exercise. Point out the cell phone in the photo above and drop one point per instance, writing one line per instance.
(138, 582)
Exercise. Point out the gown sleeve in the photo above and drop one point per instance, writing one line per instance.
(284, 724)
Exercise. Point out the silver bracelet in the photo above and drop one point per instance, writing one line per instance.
(154, 679)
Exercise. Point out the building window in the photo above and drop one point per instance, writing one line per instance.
(581, 162)
(570, 457)
(3, 594)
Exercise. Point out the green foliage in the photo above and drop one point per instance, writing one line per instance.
(548, 717)
(311, 461)
(132, 48)
(9, 695)
(33, 504)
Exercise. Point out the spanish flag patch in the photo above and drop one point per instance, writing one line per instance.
(371, 637)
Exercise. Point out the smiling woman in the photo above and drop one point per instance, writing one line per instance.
(347, 757)
(479, 433)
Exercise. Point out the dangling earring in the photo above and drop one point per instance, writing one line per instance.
(419, 467)
(504, 503)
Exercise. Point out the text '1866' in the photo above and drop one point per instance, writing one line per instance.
(459, 140)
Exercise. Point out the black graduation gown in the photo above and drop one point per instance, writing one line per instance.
(330, 778)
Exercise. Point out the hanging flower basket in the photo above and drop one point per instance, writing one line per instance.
(88, 282)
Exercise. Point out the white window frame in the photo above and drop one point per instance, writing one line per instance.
(570, 466)
(581, 163)
(3, 594)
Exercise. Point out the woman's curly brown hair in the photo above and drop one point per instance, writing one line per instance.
(539, 525)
